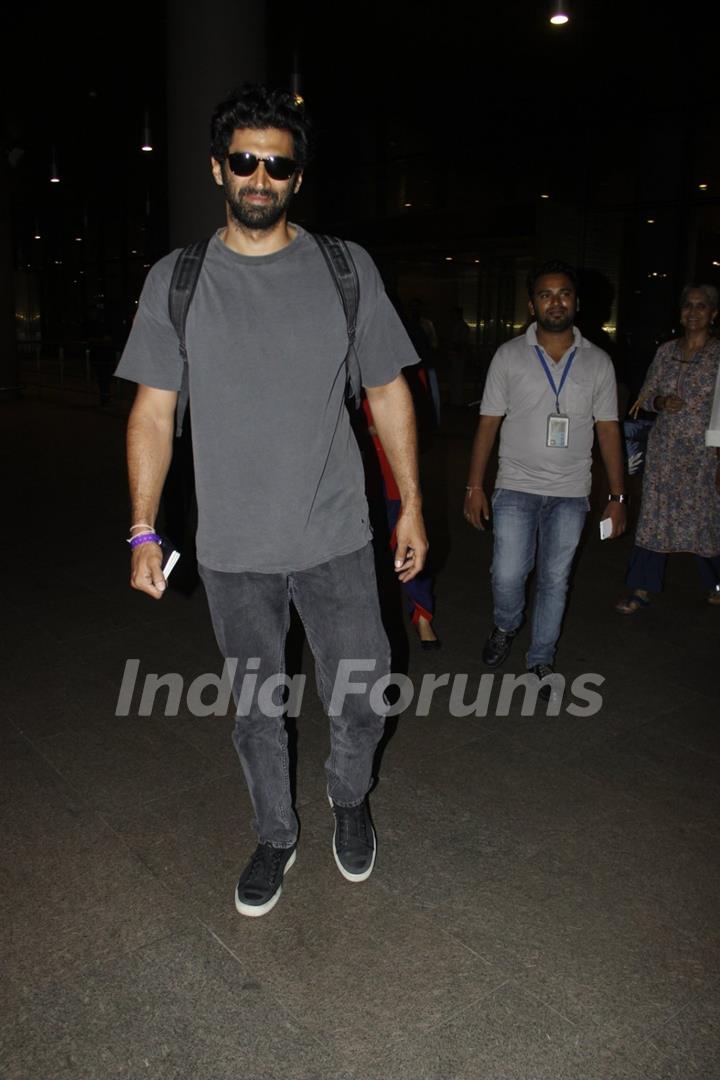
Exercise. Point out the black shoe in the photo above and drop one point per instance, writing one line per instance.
(430, 646)
(542, 671)
(260, 884)
(353, 841)
(497, 647)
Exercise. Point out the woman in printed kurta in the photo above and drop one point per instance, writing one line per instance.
(680, 510)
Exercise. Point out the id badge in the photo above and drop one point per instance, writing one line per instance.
(558, 429)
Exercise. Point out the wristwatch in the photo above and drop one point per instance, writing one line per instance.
(618, 498)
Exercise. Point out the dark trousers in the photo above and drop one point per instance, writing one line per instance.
(338, 604)
(647, 570)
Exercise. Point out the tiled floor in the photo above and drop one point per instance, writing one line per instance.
(545, 902)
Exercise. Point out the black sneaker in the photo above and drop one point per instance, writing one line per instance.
(497, 647)
(542, 671)
(353, 841)
(260, 884)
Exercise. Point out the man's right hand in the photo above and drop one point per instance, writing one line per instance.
(145, 572)
(477, 508)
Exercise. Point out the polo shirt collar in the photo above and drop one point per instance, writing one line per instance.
(531, 336)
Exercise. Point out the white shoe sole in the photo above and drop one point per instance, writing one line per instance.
(255, 910)
(355, 877)
(346, 873)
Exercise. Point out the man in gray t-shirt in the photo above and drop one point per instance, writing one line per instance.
(281, 507)
(545, 392)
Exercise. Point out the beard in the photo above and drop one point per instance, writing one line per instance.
(256, 217)
(556, 324)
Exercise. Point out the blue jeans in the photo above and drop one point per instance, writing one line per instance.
(523, 524)
(338, 604)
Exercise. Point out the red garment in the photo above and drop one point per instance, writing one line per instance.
(387, 474)
(391, 488)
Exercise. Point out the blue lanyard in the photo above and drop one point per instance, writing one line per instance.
(557, 390)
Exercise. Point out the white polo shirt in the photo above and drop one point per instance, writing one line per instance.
(518, 389)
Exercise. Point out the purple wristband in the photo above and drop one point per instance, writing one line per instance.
(144, 538)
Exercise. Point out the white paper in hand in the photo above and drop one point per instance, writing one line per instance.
(170, 557)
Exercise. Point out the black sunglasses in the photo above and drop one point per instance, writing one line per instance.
(277, 168)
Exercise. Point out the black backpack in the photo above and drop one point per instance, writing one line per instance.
(342, 270)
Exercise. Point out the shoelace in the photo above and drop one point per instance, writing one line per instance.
(352, 822)
(543, 670)
(262, 858)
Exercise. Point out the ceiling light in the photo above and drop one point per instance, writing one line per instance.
(559, 13)
(147, 140)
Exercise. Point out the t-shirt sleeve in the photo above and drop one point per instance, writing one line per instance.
(381, 342)
(605, 406)
(151, 355)
(495, 400)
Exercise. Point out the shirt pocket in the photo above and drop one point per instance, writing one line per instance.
(578, 399)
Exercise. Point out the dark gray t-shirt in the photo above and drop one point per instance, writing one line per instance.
(279, 477)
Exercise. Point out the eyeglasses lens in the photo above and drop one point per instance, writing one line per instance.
(277, 168)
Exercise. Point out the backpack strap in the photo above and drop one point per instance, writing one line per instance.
(344, 273)
(182, 288)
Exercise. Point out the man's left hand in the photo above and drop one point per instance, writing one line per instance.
(412, 544)
(615, 511)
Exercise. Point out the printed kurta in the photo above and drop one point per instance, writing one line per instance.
(680, 508)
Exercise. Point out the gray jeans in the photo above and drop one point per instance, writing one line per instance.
(338, 605)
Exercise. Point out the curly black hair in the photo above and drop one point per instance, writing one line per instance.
(258, 107)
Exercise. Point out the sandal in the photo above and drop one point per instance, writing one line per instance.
(630, 604)
(424, 627)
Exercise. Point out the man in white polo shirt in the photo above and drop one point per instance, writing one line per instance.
(544, 391)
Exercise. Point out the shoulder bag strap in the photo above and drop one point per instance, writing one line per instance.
(182, 289)
(344, 273)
